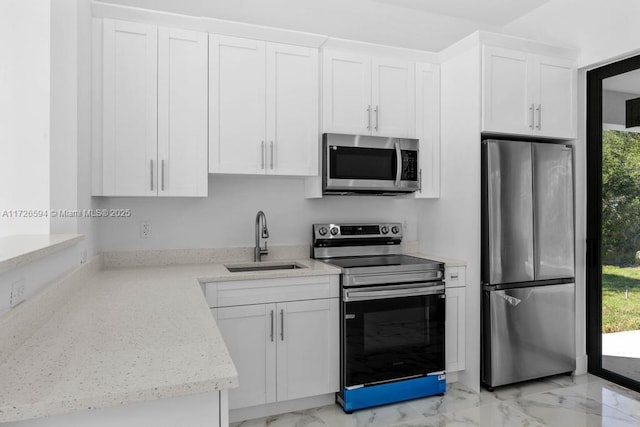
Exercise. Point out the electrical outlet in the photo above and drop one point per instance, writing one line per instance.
(17, 292)
(145, 230)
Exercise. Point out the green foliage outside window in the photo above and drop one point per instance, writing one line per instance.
(620, 197)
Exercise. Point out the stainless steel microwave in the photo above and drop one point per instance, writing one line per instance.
(357, 164)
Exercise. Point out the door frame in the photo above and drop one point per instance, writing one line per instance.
(594, 218)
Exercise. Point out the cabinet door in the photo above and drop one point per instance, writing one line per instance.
(308, 354)
(182, 113)
(249, 333)
(507, 105)
(346, 93)
(428, 129)
(129, 91)
(455, 329)
(236, 105)
(556, 97)
(292, 110)
(393, 98)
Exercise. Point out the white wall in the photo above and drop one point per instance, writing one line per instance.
(71, 117)
(24, 113)
(598, 28)
(614, 108)
(37, 274)
(86, 225)
(64, 114)
(450, 226)
(59, 115)
(227, 216)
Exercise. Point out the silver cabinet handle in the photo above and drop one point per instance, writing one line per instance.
(376, 111)
(261, 154)
(453, 276)
(151, 175)
(398, 162)
(369, 117)
(162, 175)
(271, 154)
(281, 325)
(539, 110)
(271, 325)
(420, 179)
(531, 121)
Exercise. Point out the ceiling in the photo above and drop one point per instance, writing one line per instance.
(625, 83)
(428, 25)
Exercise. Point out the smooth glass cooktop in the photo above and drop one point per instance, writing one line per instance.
(377, 261)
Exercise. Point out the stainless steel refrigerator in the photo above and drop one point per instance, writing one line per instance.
(528, 289)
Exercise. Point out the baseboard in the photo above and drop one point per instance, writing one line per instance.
(581, 364)
(270, 409)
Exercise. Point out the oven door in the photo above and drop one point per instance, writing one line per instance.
(392, 333)
(371, 164)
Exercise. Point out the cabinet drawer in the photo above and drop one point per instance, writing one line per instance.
(263, 291)
(455, 276)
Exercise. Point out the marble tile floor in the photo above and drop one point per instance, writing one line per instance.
(561, 401)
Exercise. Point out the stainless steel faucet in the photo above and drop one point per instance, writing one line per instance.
(258, 251)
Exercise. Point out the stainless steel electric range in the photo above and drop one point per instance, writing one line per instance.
(392, 315)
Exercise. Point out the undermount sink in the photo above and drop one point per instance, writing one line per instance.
(263, 267)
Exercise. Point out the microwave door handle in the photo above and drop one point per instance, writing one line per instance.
(398, 163)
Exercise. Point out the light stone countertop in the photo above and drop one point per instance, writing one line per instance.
(126, 335)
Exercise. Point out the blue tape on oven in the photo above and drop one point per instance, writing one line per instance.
(382, 394)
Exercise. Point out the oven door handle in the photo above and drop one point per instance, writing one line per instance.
(387, 278)
(382, 292)
(398, 163)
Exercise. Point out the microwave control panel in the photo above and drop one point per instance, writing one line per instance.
(409, 165)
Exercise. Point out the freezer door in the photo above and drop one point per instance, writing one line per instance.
(531, 333)
(553, 211)
(509, 211)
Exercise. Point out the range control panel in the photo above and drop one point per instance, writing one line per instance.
(357, 231)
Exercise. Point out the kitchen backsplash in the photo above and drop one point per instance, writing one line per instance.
(226, 218)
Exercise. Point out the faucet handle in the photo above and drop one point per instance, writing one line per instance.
(264, 251)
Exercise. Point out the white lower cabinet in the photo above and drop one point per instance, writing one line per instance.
(246, 330)
(283, 348)
(307, 351)
(455, 322)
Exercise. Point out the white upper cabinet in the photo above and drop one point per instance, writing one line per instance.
(292, 110)
(130, 109)
(428, 129)
(263, 107)
(506, 92)
(182, 113)
(346, 93)
(556, 94)
(393, 97)
(237, 105)
(368, 96)
(153, 134)
(528, 94)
